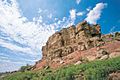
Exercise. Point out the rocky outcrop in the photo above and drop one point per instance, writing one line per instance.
(83, 36)
(78, 44)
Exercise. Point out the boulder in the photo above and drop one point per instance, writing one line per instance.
(78, 62)
(104, 57)
(102, 51)
(114, 54)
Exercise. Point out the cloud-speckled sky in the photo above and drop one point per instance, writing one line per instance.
(25, 25)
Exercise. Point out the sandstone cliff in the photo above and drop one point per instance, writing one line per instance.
(78, 44)
(68, 40)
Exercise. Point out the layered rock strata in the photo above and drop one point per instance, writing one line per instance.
(82, 37)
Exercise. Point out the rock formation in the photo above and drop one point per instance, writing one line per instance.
(68, 40)
(77, 44)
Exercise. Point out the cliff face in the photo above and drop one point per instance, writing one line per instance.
(76, 45)
(71, 39)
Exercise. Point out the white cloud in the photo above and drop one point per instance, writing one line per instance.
(72, 14)
(95, 13)
(72, 17)
(32, 35)
(78, 1)
(10, 65)
(79, 13)
(50, 16)
(88, 9)
(15, 47)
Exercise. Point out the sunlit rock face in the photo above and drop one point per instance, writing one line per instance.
(81, 37)
(78, 44)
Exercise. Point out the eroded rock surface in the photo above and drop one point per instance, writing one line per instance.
(68, 40)
(78, 44)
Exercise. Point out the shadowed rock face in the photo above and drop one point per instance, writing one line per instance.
(71, 39)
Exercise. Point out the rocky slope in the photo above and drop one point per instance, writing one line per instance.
(78, 44)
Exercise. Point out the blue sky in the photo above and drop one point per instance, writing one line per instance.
(25, 25)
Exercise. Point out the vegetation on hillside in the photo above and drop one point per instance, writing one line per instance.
(96, 70)
(25, 68)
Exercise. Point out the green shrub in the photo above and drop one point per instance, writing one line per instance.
(25, 68)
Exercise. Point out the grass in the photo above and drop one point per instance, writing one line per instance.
(96, 70)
